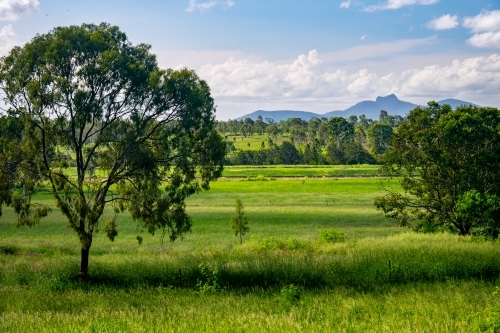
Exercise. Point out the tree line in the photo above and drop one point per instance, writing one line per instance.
(356, 140)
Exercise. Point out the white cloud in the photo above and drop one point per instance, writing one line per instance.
(396, 4)
(308, 81)
(363, 37)
(486, 27)
(484, 22)
(11, 10)
(7, 39)
(194, 5)
(444, 22)
(486, 39)
(345, 4)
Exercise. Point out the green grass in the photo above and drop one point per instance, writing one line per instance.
(419, 308)
(278, 171)
(288, 171)
(254, 142)
(436, 283)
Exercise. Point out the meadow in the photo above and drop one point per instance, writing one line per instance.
(377, 277)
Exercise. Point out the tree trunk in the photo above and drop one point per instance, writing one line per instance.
(84, 264)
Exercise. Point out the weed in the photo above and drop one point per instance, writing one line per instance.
(290, 296)
(209, 283)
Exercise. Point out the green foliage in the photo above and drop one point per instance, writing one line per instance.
(239, 222)
(489, 320)
(331, 235)
(110, 229)
(380, 135)
(209, 282)
(274, 243)
(87, 97)
(442, 155)
(290, 296)
(480, 209)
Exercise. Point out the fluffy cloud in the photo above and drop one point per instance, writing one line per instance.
(486, 21)
(308, 79)
(486, 40)
(396, 4)
(11, 10)
(486, 27)
(7, 39)
(444, 22)
(194, 5)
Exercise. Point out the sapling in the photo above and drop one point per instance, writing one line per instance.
(239, 221)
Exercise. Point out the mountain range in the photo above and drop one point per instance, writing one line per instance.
(371, 109)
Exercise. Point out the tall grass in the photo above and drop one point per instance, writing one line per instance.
(447, 307)
(435, 283)
(364, 265)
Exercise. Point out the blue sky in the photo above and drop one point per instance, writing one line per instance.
(303, 55)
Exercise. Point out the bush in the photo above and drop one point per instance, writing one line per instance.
(331, 235)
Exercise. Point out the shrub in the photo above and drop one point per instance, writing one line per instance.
(331, 235)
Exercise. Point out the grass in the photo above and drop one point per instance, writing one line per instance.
(288, 171)
(419, 308)
(278, 171)
(254, 142)
(436, 283)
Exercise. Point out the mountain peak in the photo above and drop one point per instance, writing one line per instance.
(390, 97)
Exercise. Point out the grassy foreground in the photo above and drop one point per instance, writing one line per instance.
(451, 307)
(283, 278)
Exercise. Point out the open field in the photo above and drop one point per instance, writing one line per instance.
(281, 279)
(281, 171)
(277, 171)
(254, 142)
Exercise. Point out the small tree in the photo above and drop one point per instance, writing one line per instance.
(239, 221)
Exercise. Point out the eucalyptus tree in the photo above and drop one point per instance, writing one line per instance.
(448, 161)
(138, 135)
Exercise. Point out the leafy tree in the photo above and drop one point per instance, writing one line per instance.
(259, 125)
(287, 154)
(239, 222)
(353, 119)
(298, 134)
(272, 130)
(341, 130)
(18, 169)
(482, 210)
(86, 94)
(364, 122)
(443, 155)
(380, 135)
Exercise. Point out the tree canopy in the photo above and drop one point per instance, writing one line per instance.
(449, 162)
(137, 135)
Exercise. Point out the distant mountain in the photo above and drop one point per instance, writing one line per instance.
(280, 115)
(371, 109)
(454, 103)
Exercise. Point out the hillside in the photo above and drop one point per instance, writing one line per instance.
(371, 109)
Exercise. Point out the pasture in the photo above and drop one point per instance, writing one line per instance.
(380, 278)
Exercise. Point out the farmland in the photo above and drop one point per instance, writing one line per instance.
(379, 278)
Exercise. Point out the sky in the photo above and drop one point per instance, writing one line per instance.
(316, 55)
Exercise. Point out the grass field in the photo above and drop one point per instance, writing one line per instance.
(283, 278)
(279, 171)
(254, 142)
